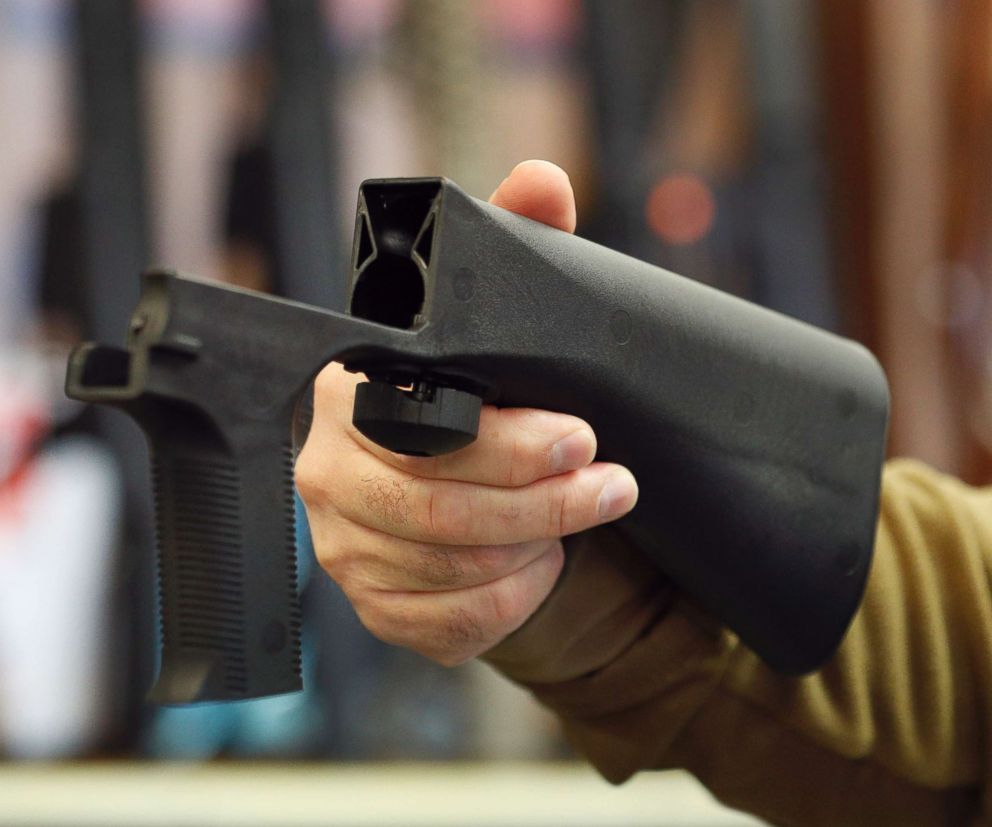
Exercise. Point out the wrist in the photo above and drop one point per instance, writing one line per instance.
(607, 596)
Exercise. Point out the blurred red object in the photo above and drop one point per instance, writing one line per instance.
(680, 208)
(24, 421)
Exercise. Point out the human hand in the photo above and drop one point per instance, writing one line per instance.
(448, 555)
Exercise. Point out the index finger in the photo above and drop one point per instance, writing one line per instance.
(515, 447)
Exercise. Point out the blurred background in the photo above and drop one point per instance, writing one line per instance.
(829, 159)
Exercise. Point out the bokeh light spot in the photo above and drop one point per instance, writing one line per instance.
(680, 208)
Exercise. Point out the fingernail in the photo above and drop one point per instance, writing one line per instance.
(572, 452)
(618, 496)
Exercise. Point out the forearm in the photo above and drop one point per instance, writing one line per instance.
(891, 731)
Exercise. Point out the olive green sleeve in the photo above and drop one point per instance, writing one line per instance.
(895, 729)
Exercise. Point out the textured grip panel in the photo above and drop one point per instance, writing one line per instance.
(295, 617)
(230, 618)
(200, 573)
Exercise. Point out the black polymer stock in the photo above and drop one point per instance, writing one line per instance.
(757, 441)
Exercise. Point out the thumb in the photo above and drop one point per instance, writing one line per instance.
(538, 190)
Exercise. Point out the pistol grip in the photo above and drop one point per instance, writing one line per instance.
(225, 521)
(212, 374)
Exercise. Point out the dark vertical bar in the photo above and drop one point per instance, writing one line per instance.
(310, 264)
(968, 211)
(629, 49)
(114, 238)
(790, 180)
(844, 75)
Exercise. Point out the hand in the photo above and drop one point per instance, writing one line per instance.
(448, 555)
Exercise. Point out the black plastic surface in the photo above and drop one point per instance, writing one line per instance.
(423, 422)
(757, 441)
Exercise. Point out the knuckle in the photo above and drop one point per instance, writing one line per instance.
(459, 629)
(308, 477)
(514, 472)
(321, 481)
(437, 566)
(336, 562)
(342, 549)
(448, 516)
(507, 447)
(556, 510)
(327, 382)
(449, 636)
(431, 519)
(388, 498)
(335, 558)
(488, 560)
(507, 603)
(381, 617)
(516, 448)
